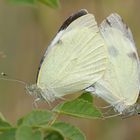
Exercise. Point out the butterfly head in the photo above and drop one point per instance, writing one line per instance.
(34, 90)
(42, 93)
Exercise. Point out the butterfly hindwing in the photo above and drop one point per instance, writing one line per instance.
(120, 84)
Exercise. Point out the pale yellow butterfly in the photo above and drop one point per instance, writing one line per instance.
(120, 84)
(75, 59)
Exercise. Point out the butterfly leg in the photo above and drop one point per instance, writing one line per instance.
(105, 107)
(111, 116)
(35, 103)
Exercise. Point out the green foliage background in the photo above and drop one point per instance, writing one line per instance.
(45, 125)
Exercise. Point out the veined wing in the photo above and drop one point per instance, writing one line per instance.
(77, 59)
(121, 80)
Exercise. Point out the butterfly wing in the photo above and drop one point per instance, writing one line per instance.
(60, 33)
(76, 60)
(120, 83)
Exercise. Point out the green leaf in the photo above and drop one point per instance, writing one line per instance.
(22, 1)
(36, 117)
(51, 3)
(87, 96)
(54, 136)
(3, 123)
(37, 135)
(8, 135)
(78, 108)
(26, 133)
(20, 121)
(68, 131)
(2, 117)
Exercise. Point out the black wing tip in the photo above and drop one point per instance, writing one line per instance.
(114, 17)
(116, 21)
(73, 17)
(117, 17)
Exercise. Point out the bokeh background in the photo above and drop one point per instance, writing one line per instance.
(25, 33)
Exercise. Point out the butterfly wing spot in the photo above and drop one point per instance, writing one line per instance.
(132, 55)
(113, 51)
(60, 42)
(108, 22)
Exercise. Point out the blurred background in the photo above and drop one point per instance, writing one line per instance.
(25, 33)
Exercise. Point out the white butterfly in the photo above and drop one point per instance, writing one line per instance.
(120, 84)
(76, 59)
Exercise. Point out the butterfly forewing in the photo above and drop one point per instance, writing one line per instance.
(77, 60)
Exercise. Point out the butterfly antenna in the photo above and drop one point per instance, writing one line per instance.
(5, 77)
(104, 107)
(111, 116)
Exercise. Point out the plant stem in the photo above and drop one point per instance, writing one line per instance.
(55, 118)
